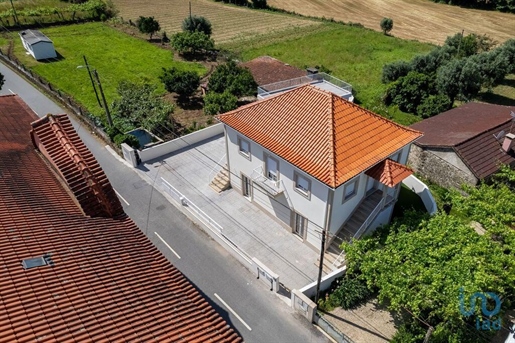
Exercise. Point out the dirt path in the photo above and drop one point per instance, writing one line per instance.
(422, 20)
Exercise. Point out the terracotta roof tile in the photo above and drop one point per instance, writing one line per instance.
(326, 136)
(267, 70)
(108, 282)
(389, 173)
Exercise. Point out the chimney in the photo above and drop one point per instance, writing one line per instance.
(312, 70)
(508, 142)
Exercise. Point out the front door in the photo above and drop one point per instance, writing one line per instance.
(300, 225)
(246, 186)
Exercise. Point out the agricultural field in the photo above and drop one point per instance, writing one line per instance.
(421, 20)
(229, 22)
(352, 54)
(115, 55)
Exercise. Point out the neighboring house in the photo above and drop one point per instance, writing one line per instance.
(465, 144)
(75, 267)
(37, 44)
(314, 160)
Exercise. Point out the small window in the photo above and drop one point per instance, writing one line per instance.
(302, 184)
(272, 168)
(244, 147)
(350, 189)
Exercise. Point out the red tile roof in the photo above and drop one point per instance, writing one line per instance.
(469, 130)
(326, 136)
(107, 283)
(266, 70)
(389, 173)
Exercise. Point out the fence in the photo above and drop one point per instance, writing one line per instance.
(310, 289)
(335, 334)
(54, 92)
(181, 142)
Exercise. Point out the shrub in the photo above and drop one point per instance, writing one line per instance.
(433, 105)
(259, 4)
(351, 293)
(182, 82)
(409, 332)
(192, 42)
(216, 103)
(130, 140)
(386, 25)
(508, 49)
(232, 78)
(2, 80)
(410, 91)
(395, 70)
(197, 23)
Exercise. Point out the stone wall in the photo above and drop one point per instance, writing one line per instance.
(439, 170)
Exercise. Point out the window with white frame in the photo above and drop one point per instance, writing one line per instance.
(350, 189)
(244, 147)
(302, 184)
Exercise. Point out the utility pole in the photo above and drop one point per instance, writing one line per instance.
(91, 78)
(190, 9)
(106, 108)
(15, 15)
(459, 44)
(321, 266)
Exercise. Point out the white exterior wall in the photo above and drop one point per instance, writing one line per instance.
(283, 205)
(42, 50)
(342, 211)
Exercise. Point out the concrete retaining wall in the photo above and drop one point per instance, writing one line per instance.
(310, 289)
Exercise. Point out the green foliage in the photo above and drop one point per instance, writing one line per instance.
(182, 82)
(261, 4)
(498, 5)
(433, 105)
(139, 106)
(508, 50)
(386, 25)
(192, 43)
(130, 140)
(233, 79)
(148, 25)
(460, 79)
(409, 91)
(393, 71)
(469, 45)
(350, 293)
(197, 23)
(493, 67)
(216, 103)
(409, 332)
(2, 80)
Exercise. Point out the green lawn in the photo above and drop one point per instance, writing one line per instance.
(353, 54)
(116, 56)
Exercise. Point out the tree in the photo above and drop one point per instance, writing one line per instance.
(508, 49)
(386, 25)
(139, 106)
(232, 78)
(393, 71)
(433, 105)
(192, 43)
(460, 79)
(469, 45)
(197, 23)
(448, 77)
(2, 80)
(409, 91)
(182, 82)
(148, 25)
(217, 103)
(493, 67)
(261, 4)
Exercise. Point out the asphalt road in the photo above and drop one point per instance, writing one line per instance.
(257, 314)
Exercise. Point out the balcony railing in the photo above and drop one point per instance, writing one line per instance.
(272, 187)
(273, 88)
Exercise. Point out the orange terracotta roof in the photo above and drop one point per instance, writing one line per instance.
(326, 136)
(107, 282)
(389, 172)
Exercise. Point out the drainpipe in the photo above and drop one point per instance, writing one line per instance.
(227, 151)
(330, 197)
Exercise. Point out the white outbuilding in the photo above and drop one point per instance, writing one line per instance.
(37, 44)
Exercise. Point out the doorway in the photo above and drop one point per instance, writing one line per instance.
(246, 187)
(300, 225)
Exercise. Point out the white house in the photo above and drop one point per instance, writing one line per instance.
(314, 160)
(37, 44)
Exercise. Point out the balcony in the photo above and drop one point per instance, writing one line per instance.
(272, 187)
(320, 80)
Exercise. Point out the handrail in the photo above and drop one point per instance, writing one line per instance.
(369, 219)
(337, 259)
(212, 170)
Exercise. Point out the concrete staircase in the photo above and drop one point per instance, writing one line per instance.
(221, 181)
(348, 230)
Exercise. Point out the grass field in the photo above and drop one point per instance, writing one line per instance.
(352, 54)
(115, 55)
(229, 22)
(422, 20)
